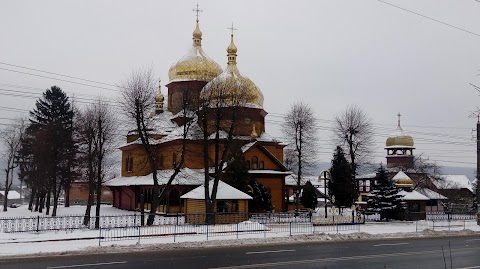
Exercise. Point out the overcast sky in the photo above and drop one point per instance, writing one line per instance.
(328, 54)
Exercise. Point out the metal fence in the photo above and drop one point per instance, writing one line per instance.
(73, 222)
(226, 231)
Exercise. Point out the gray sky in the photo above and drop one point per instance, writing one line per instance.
(328, 54)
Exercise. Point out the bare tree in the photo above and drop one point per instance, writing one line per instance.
(138, 101)
(219, 114)
(354, 131)
(300, 132)
(11, 138)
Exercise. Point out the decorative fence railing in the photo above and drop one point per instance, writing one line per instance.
(226, 231)
(72, 222)
(450, 215)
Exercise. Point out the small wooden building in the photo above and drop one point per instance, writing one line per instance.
(231, 205)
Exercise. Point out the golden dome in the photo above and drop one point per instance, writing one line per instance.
(399, 138)
(231, 88)
(195, 65)
(402, 180)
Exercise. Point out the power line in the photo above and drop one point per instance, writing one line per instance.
(430, 18)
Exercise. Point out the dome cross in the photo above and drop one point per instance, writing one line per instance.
(232, 28)
(197, 11)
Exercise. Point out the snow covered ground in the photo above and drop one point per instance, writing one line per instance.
(22, 211)
(249, 233)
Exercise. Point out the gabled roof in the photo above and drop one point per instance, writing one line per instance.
(257, 144)
(413, 196)
(11, 194)
(448, 182)
(224, 192)
(186, 176)
(431, 194)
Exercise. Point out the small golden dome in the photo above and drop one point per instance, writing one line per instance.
(232, 48)
(402, 180)
(197, 33)
(195, 65)
(231, 88)
(399, 138)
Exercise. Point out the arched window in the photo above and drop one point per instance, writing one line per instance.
(261, 165)
(254, 162)
(174, 160)
(129, 163)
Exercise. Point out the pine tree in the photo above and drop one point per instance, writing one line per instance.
(384, 198)
(309, 196)
(237, 176)
(52, 120)
(342, 184)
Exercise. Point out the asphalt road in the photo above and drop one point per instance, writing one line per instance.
(424, 253)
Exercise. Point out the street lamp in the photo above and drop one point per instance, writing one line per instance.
(325, 175)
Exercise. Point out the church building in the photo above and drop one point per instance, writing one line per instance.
(194, 80)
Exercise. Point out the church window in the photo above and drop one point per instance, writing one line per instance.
(367, 185)
(261, 165)
(129, 163)
(174, 160)
(254, 163)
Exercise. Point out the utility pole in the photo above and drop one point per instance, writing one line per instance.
(478, 169)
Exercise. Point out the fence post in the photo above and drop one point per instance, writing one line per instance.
(433, 225)
(416, 226)
(464, 224)
(207, 231)
(100, 235)
(337, 227)
(138, 227)
(290, 228)
(237, 230)
(38, 223)
(175, 230)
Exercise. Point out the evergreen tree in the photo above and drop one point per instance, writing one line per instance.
(309, 196)
(237, 176)
(262, 200)
(384, 198)
(52, 120)
(342, 185)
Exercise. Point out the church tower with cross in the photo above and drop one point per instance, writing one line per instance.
(399, 148)
(190, 74)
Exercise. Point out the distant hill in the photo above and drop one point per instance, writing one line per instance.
(446, 170)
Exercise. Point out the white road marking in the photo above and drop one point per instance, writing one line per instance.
(469, 267)
(396, 244)
(347, 258)
(270, 251)
(85, 265)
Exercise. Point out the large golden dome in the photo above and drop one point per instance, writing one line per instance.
(399, 138)
(231, 87)
(195, 65)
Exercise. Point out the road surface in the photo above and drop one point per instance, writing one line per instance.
(423, 253)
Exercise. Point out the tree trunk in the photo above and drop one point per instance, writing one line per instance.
(30, 201)
(47, 203)
(86, 218)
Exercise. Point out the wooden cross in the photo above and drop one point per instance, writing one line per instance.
(232, 28)
(197, 10)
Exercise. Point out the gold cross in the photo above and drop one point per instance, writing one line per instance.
(232, 28)
(197, 10)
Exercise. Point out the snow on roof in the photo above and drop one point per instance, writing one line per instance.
(248, 146)
(453, 182)
(224, 192)
(11, 194)
(413, 196)
(291, 180)
(186, 176)
(266, 171)
(400, 175)
(370, 175)
(431, 194)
